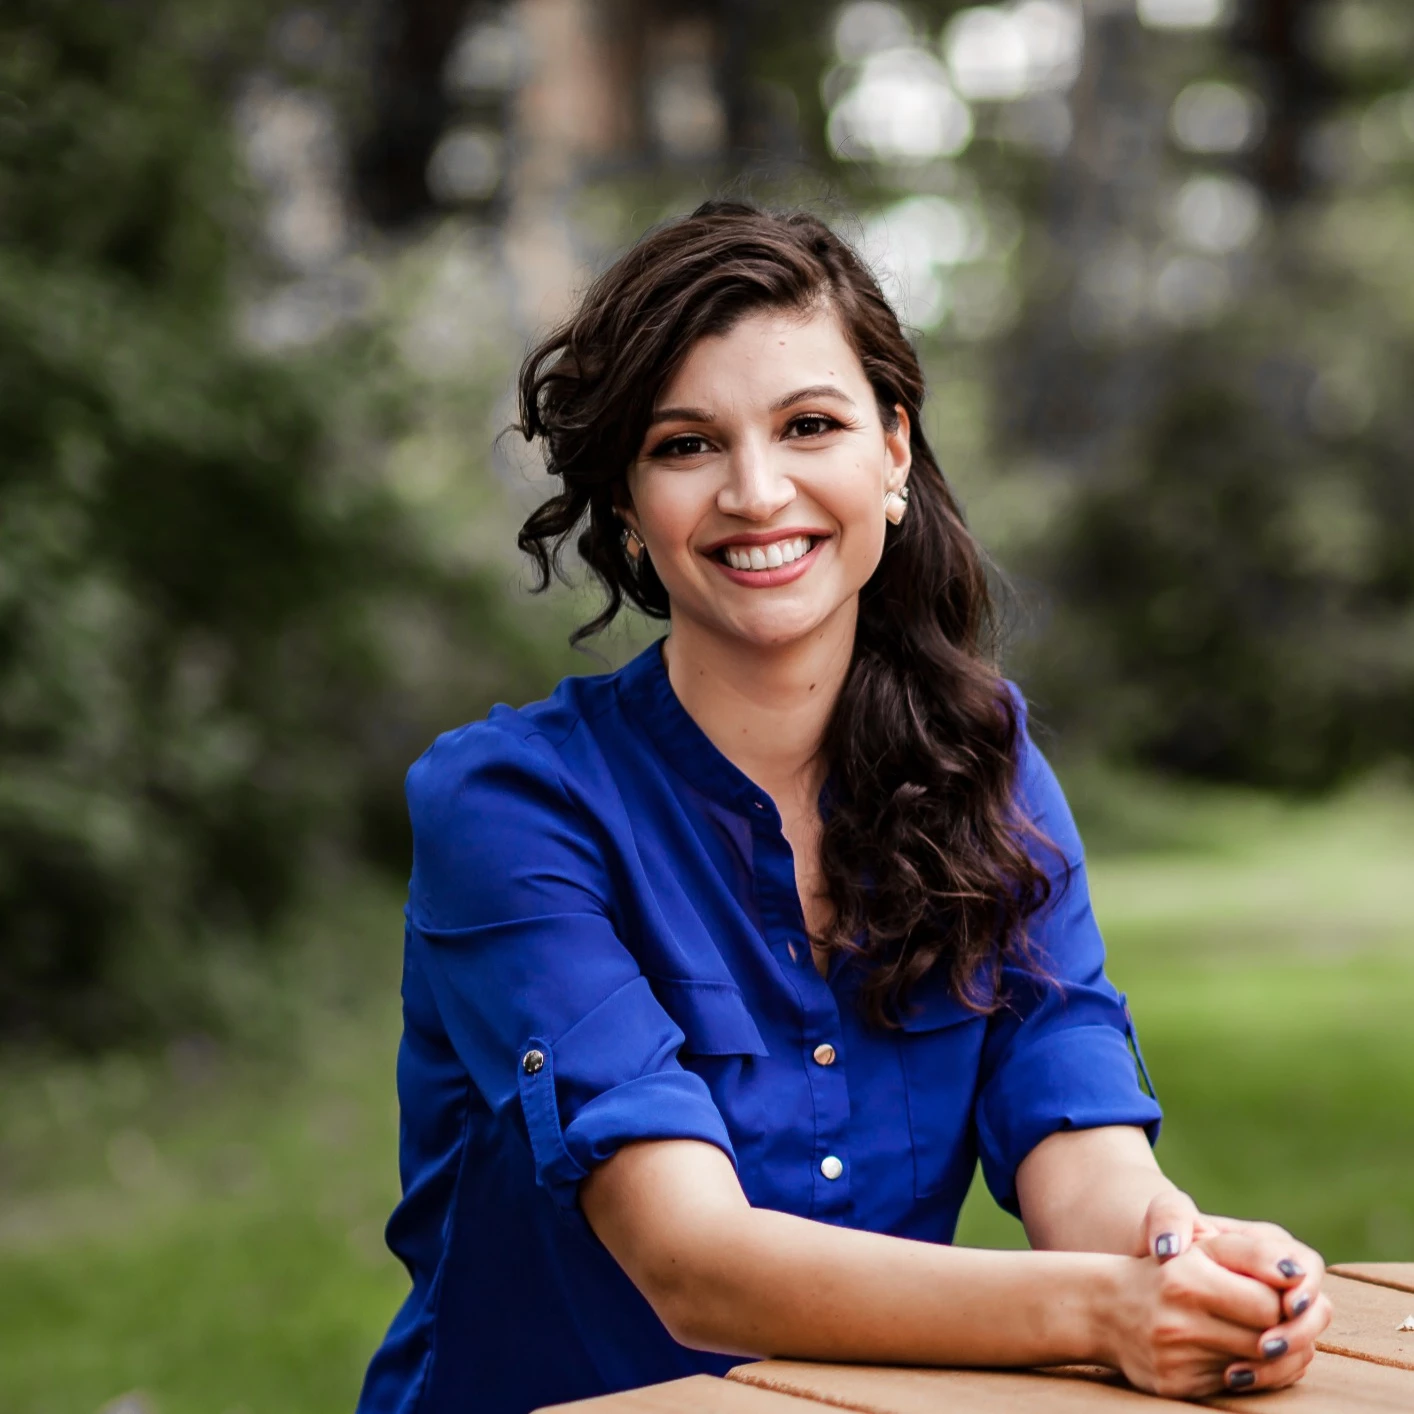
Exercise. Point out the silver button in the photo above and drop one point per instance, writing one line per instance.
(824, 1054)
(531, 1061)
(831, 1167)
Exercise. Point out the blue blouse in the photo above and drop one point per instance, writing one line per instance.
(604, 943)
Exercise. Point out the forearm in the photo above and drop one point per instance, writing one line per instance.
(1088, 1191)
(757, 1282)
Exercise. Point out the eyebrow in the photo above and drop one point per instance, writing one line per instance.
(801, 395)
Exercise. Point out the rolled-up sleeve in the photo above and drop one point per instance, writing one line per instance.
(1061, 1053)
(509, 911)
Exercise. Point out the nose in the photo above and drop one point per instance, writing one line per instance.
(756, 487)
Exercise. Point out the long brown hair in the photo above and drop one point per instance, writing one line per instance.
(923, 850)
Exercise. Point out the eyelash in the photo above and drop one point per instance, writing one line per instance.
(830, 424)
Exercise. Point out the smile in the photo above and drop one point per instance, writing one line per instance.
(766, 557)
(766, 564)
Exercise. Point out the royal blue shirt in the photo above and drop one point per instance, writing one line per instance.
(604, 943)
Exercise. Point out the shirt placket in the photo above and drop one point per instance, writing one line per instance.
(821, 1041)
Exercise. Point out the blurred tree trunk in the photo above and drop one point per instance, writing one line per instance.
(1297, 88)
(410, 43)
(1080, 370)
(609, 87)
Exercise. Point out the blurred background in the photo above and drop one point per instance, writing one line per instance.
(266, 272)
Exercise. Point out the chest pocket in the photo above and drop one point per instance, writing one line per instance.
(712, 1016)
(940, 1049)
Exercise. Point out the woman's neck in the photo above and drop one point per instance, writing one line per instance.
(765, 708)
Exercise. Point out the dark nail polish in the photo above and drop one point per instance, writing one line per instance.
(1241, 1379)
(1301, 1303)
(1166, 1246)
(1274, 1347)
(1289, 1269)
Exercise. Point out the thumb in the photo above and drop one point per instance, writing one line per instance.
(1168, 1225)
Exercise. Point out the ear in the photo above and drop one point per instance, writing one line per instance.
(898, 451)
(623, 507)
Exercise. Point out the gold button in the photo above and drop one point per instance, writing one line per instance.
(831, 1167)
(825, 1054)
(532, 1061)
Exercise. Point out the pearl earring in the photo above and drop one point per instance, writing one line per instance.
(895, 504)
(633, 547)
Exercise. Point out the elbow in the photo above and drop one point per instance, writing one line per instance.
(691, 1332)
(684, 1307)
(701, 1309)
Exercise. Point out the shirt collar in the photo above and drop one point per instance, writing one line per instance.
(648, 697)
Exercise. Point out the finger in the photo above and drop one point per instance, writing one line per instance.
(1201, 1281)
(1298, 1334)
(1268, 1374)
(1206, 1225)
(1225, 1339)
(1269, 1256)
(1168, 1225)
(1307, 1290)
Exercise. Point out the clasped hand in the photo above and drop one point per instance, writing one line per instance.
(1221, 1305)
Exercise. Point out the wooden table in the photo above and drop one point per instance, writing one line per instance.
(1365, 1366)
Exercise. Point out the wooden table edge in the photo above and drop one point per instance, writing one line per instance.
(1361, 1272)
(735, 1373)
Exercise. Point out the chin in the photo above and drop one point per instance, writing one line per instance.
(776, 630)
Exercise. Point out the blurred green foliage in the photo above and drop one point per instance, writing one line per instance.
(205, 589)
(1233, 589)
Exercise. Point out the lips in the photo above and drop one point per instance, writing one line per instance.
(766, 557)
(763, 562)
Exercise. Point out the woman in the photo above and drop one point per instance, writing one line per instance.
(724, 969)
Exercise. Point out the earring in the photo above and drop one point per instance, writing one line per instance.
(895, 504)
(633, 547)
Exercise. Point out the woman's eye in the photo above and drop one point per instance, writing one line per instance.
(813, 425)
(685, 446)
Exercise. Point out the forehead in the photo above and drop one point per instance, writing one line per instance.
(765, 354)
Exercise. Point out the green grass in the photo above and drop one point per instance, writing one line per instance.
(206, 1230)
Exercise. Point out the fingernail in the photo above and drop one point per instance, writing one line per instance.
(1166, 1246)
(1301, 1303)
(1274, 1347)
(1288, 1268)
(1240, 1379)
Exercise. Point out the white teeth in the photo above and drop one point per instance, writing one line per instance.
(764, 557)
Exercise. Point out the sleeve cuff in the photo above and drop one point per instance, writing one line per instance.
(667, 1104)
(1079, 1078)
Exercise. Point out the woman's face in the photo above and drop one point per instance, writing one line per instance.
(759, 487)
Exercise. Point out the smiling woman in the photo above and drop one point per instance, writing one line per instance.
(723, 971)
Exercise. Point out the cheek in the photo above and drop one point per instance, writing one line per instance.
(669, 509)
(858, 506)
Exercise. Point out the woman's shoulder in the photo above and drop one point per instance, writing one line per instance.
(514, 755)
(1038, 789)
(504, 807)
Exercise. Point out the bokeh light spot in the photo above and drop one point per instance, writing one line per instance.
(901, 108)
(1211, 116)
(870, 27)
(1217, 213)
(1000, 53)
(1181, 14)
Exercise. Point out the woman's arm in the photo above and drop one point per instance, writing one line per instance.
(724, 1276)
(1094, 1190)
(1101, 1190)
